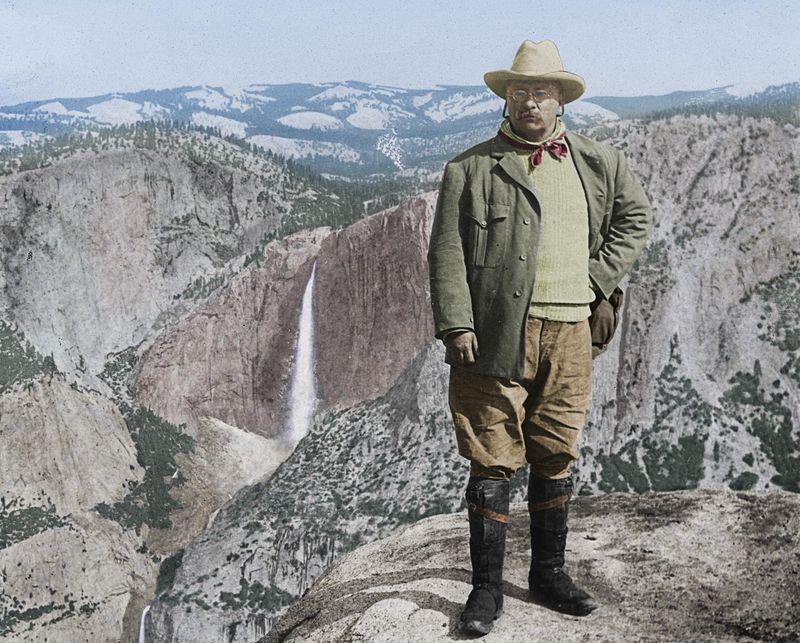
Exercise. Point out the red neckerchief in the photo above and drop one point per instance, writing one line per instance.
(556, 146)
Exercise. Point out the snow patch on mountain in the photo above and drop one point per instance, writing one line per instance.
(419, 101)
(115, 111)
(242, 96)
(301, 148)
(372, 114)
(369, 118)
(337, 92)
(461, 105)
(743, 90)
(388, 92)
(151, 110)
(310, 120)
(209, 98)
(261, 98)
(585, 113)
(56, 107)
(226, 125)
(53, 108)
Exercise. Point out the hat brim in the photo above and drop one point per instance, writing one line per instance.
(572, 85)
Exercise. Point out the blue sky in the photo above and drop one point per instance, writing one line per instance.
(82, 48)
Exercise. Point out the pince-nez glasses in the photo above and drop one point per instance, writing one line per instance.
(538, 95)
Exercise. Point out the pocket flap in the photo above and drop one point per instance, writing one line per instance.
(477, 217)
(497, 211)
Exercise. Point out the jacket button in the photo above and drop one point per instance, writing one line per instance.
(522, 257)
(517, 293)
(482, 224)
(526, 221)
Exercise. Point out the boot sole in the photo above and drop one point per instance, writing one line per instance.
(565, 608)
(474, 626)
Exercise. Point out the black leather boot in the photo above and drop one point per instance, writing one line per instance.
(549, 584)
(487, 506)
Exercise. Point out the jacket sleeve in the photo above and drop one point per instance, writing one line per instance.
(450, 295)
(631, 223)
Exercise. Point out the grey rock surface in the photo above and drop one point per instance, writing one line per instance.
(699, 389)
(358, 475)
(155, 307)
(681, 566)
(104, 250)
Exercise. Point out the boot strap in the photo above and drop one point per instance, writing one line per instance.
(488, 513)
(548, 504)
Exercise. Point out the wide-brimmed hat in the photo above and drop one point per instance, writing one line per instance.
(536, 61)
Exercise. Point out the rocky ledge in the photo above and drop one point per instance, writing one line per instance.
(683, 566)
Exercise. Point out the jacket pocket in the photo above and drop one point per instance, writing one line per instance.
(489, 234)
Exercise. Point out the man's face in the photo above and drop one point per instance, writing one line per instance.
(531, 121)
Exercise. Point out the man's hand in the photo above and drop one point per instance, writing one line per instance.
(462, 348)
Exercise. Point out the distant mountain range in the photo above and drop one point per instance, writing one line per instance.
(348, 128)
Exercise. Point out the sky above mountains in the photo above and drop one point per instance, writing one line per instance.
(622, 48)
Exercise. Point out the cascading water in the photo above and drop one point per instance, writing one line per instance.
(141, 624)
(302, 392)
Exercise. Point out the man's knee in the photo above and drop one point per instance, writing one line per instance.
(477, 470)
(556, 466)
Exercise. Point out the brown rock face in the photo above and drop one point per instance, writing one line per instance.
(231, 358)
(372, 307)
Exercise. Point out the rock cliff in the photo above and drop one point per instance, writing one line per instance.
(173, 320)
(147, 336)
(372, 307)
(699, 389)
(681, 566)
(104, 252)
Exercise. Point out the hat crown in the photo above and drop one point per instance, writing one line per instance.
(537, 61)
(537, 58)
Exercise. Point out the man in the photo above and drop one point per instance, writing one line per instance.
(533, 231)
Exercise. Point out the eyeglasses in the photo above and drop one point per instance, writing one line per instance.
(538, 95)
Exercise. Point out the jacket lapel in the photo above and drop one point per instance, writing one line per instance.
(512, 166)
(590, 170)
(587, 163)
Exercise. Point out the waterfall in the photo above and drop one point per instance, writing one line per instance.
(302, 391)
(141, 623)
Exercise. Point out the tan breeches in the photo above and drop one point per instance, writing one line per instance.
(500, 423)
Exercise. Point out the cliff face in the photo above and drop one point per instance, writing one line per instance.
(160, 317)
(675, 407)
(65, 567)
(190, 358)
(701, 387)
(356, 476)
(98, 251)
(102, 252)
(372, 308)
(230, 359)
(683, 566)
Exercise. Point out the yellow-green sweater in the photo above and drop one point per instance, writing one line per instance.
(562, 290)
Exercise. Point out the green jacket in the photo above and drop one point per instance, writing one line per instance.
(482, 250)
